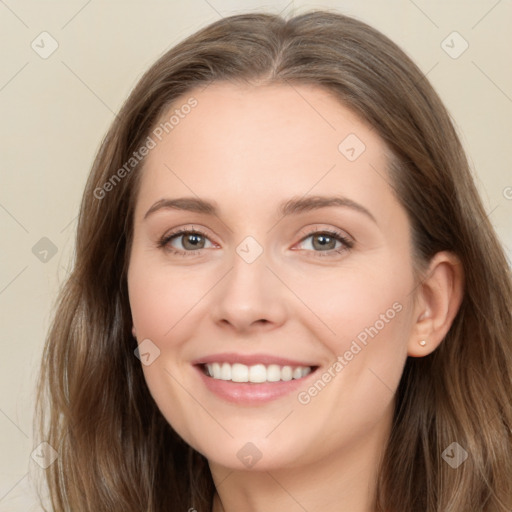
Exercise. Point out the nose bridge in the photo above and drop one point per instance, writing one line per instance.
(249, 292)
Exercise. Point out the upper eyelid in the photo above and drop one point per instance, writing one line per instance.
(183, 232)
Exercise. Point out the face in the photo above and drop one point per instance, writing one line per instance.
(270, 277)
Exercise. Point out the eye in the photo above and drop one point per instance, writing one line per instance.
(190, 240)
(329, 242)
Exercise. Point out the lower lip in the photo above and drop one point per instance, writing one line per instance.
(249, 393)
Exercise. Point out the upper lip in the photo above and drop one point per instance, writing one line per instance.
(249, 359)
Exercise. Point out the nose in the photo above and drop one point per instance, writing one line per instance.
(250, 297)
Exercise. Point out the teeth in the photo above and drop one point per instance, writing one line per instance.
(297, 373)
(257, 373)
(273, 373)
(225, 372)
(239, 373)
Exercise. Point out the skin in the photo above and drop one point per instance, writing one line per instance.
(294, 300)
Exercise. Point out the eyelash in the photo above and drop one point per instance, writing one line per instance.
(347, 243)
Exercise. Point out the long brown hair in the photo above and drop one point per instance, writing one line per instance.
(116, 450)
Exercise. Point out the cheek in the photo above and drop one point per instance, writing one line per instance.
(159, 299)
(371, 316)
(366, 319)
(159, 304)
(362, 303)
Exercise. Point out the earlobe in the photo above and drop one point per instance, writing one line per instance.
(439, 298)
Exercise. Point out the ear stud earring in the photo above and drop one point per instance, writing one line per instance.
(422, 343)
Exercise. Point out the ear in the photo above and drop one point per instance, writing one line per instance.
(133, 332)
(438, 299)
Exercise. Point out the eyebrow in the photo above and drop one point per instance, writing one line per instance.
(293, 206)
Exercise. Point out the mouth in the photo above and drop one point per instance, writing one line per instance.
(256, 373)
(252, 379)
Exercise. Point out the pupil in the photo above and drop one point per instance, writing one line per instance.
(193, 240)
(324, 240)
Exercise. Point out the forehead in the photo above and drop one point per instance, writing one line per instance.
(246, 143)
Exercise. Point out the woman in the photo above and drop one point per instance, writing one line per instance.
(286, 294)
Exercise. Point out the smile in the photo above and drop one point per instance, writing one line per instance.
(252, 379)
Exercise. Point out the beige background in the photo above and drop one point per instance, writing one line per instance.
(54, 112)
